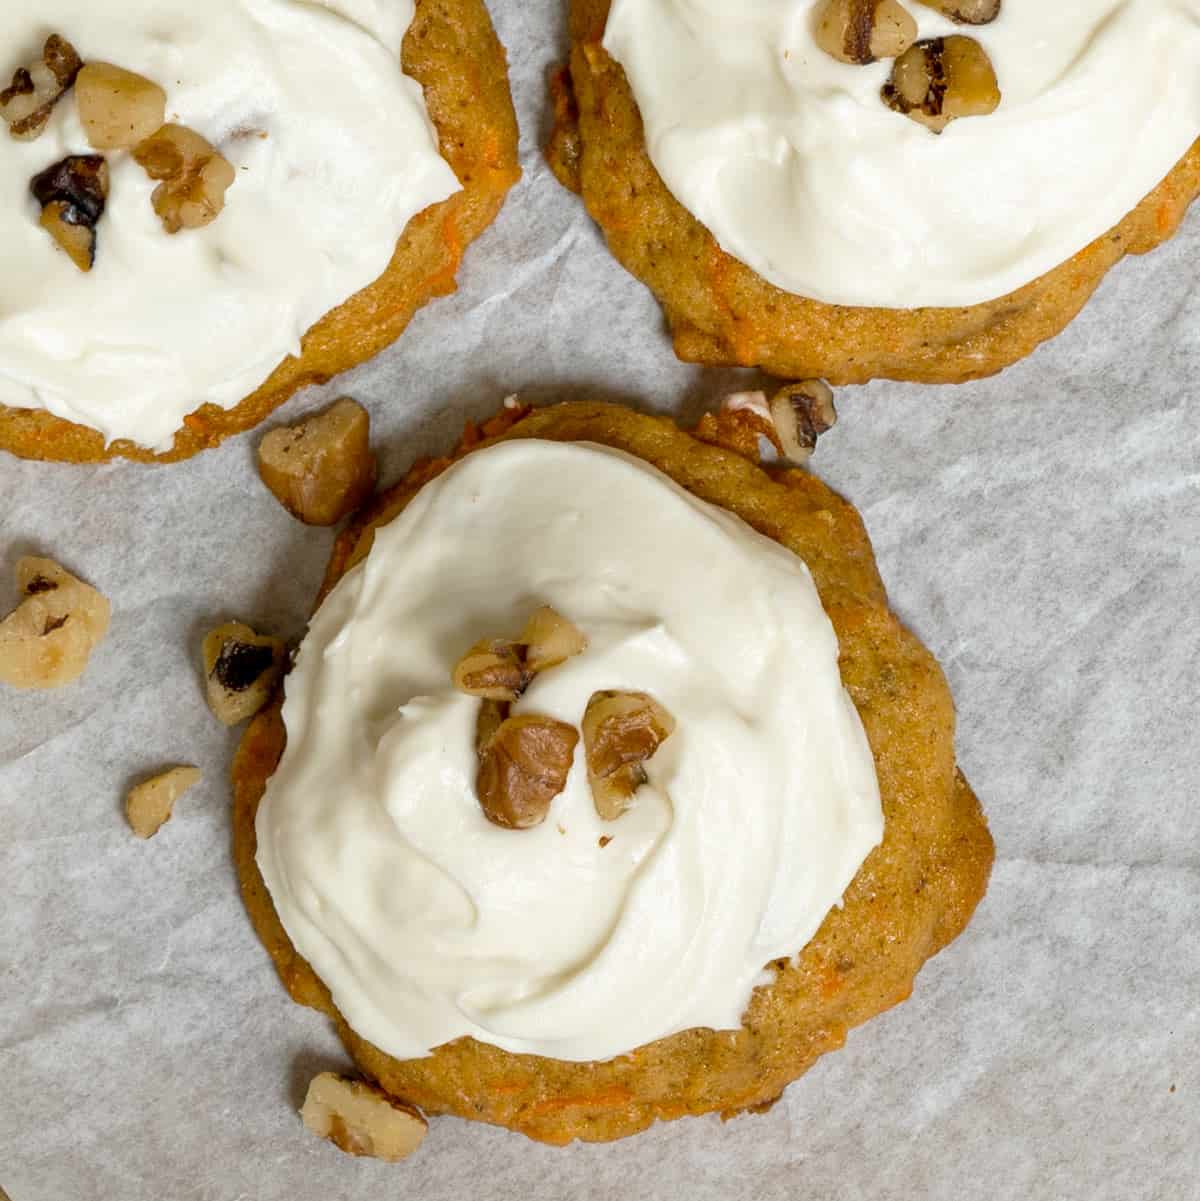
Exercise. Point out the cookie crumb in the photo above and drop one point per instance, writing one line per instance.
(360, 1119)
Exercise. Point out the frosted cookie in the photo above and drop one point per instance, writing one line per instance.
(321, 170)
(606, 789)
(800, 203)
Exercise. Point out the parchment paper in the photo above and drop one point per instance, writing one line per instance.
(1038, 530)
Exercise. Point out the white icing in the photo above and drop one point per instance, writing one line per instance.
(798, 169)
(164, 324)
(427, 922)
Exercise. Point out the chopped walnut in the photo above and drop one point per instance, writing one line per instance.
(73, 194)
(360, 1119)
(149, 805)
(195, 177)
(241, 669)
(860, 31)
(493, 671)
(500, 669)
(966, 12)
(524, 762)
(801, 413)
(26, 104)
(321, 469)
(937, 81)
(621, 732)
(550, 639)
(118, 108)
(47, 640)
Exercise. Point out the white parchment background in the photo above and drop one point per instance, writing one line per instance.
(1038, 530)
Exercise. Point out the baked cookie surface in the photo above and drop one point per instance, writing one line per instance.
(452, 51)
(911, 897)
(722, 313)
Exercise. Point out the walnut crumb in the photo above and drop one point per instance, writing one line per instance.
(194, 175)
(26, 104)
(73, 194)
(861, 31)
(942, 79)
(47, 641)
(149, 805)
(621, 732)
(321, 469)
(801, 413)
(361, 1119)
(523, 766)
(966, 12)
(241, 669)
(118, 108)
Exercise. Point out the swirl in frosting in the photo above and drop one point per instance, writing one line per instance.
(578, 939)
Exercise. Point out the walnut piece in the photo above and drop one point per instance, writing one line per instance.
(493, 671)
(321, 469)
(195, 177)
(149, 805)
(241, 669)
(73, 194)
(501, 669)
(937, 81)
(523, 765)
(621, 732)
(550, 639)
(118, 108)
(966, 12)
(360, 1119)
(860, 31)
(26, 104)
(47, 640)
(801, 413)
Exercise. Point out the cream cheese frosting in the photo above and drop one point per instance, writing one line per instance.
(796, 167)
(429, 923)
(334, 153)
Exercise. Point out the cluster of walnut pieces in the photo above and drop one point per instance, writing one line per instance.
(119, 111)
(934, 81)
(524, 759)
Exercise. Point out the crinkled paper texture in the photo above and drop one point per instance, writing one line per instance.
(1038, 530)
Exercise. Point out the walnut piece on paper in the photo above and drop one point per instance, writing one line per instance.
(241, 669)
(149, 805)
(47, 641)
(360, 1119)
(322, 468)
